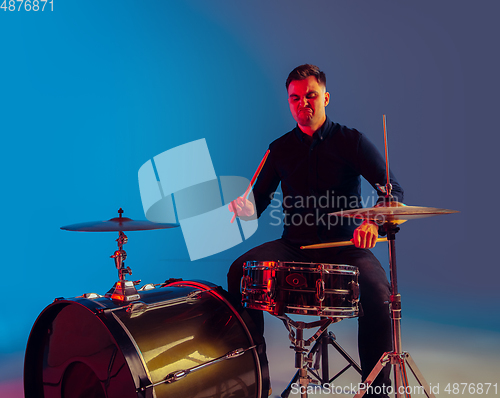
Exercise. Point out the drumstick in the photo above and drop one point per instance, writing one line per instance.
(386, 152)
(257, 172)
(336, 244)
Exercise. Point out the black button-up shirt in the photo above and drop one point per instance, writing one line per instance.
(320, 175)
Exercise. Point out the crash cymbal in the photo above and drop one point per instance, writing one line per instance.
(117, 224)
(396, 213)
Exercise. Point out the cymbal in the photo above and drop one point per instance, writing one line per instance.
(117, 224)
(393, 213)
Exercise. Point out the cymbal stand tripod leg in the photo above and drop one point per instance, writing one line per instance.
(397, 358)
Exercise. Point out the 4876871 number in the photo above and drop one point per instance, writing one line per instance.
(27, 5)
(464, 389)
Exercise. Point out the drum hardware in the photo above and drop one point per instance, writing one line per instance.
(122, 290)
(91, 295)
(397, 357)
(96, 345)
(327, 290)
(307, 362)
(180, 374)
(147, 286)
(137, 307)
(119, 355)
(330, 291)
(389, 214)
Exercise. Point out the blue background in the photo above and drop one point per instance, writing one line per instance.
(92, 90)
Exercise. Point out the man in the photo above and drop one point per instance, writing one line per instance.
(319, 164)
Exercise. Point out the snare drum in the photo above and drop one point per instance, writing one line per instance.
(327, 290)
(96, 347)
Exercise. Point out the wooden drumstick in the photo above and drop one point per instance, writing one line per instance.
(336, 244)
(257, 172)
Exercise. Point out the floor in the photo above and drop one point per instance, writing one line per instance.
(446, 355)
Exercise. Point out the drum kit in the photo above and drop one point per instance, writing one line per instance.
(173, 339)
(331, 292)
(147, 342)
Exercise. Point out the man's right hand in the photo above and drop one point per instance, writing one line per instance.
(242, 207)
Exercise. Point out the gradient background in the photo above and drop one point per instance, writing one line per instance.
(92, 90)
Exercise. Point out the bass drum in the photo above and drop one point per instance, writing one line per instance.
(100, 348)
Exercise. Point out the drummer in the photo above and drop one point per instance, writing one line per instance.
(319, 164)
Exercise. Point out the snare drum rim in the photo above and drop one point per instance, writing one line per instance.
(343, 269)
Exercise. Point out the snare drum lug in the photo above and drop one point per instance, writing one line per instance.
(58, 299)
(320, 289)
(355, 291)
(245, 281)
(271, 287)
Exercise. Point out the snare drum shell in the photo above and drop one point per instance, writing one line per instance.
(119, 350)
(293, 287)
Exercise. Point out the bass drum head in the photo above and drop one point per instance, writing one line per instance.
(102, 348)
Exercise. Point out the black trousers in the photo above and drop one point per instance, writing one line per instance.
(374, 332)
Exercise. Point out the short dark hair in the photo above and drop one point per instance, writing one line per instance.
(304, 71)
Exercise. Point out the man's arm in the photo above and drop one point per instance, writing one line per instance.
(263, 192)
(372, 167)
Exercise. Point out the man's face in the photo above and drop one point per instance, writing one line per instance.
(308, 99)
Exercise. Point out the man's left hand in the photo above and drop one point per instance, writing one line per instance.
(365, 236)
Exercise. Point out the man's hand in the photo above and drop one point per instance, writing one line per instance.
(242, 207)
(365, 236)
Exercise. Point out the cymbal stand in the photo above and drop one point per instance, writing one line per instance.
(397, 357)
(122, 290)
(304, 358)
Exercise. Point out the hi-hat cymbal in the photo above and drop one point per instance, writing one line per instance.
(117, 224)
(393, 213)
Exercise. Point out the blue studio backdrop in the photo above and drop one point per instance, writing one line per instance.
(90, 91)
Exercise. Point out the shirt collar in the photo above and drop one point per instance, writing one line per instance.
(322, 133)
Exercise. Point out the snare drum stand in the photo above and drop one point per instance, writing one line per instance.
(304, 358)
(397, 357)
